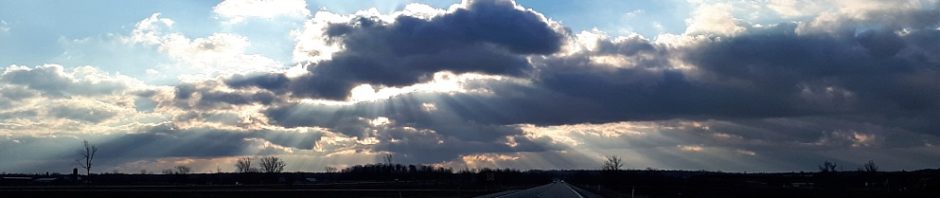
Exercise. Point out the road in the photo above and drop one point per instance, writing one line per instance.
(552, 190)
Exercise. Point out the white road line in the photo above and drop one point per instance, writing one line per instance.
(533, 188)
(575, 191)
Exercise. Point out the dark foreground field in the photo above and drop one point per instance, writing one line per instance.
(225, 191)
(407, 181)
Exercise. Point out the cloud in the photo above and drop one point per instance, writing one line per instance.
(743, 144)
(634, 13)
(795, 8)
(16, 93)
(82, 113)
(741, 84)
(219, 54)
(714, 18)
(750, 74)
(54, 80)
(859, 76)
(489, 37)
(690, 148)
(54, 99)
(837, 72)
(269, 81)
(209, 96)
(235, 11)
(491, 84)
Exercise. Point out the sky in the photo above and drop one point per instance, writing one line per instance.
(723, 85)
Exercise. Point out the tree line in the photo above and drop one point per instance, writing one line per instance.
(273, 164)
(267, 164)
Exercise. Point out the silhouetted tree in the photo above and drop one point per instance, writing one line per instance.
(272, 164)
(243, 165)
(613, 163)
(871, 167)
(388, 159)
(329, 169)
(828, 167)
(182, 170)
(87, 156)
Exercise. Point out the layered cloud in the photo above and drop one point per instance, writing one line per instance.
(491, 83)
(50, 99)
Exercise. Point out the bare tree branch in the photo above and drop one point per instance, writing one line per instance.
(828, 167)
(388, 159)
(871, 167)
(87, 156)
(243, 165)
(272, 164)
(182, 170)
(613, 163)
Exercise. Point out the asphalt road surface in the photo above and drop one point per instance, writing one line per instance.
(552, 190)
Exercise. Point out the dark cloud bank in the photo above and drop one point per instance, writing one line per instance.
(846, 77)
(491, 37)
(861, 67)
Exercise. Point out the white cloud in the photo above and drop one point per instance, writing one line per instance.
(854, 9)
(850, 138)
(860, 8)
(55, 80)
(795, 8)
(236, 11)
(312, 45)
(219, 54)
(745, 152)
(488, 159)
(690, 148)
(440, 82)
(380, 121)
(862, 139)
(634, 13)
(52, 99)
(428, 107)
(262, 146)
(147, 30)
(714, 18)
(422, 11)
